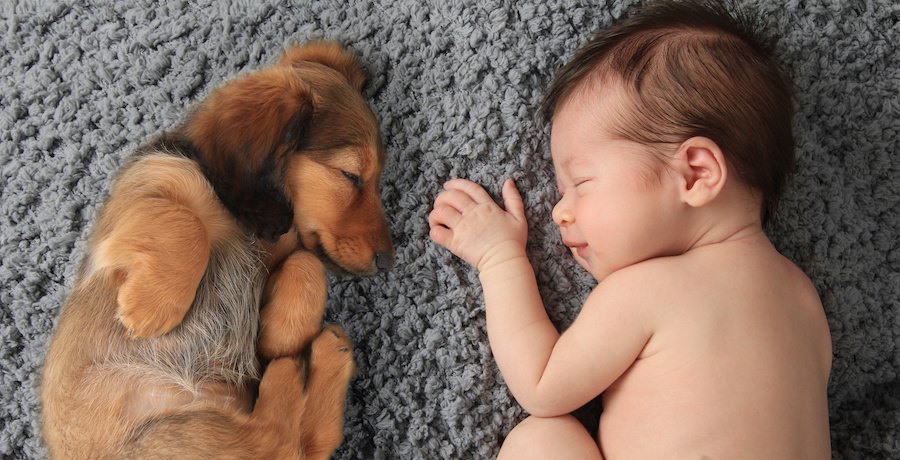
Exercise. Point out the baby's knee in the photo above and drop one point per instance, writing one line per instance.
(554, 437)
(521, 439)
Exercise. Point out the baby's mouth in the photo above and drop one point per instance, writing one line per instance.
(573, 245)
(578, 249)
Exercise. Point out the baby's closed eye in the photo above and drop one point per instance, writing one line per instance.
(581, 181)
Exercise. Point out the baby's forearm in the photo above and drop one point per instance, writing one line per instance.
(520, 333)
(468, 222)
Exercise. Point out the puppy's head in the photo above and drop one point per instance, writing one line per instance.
(296, 145)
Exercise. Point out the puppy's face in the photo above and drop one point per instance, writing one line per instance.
(333, 180)
(296, 146)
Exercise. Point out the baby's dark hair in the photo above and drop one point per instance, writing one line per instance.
(691, 68)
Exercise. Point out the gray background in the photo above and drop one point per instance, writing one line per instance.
(455, 84)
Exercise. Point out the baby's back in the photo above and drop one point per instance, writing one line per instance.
(737, 365)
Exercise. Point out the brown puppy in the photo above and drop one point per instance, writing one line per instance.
(155, 352)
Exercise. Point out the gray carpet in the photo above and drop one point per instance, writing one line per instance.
(455, 84)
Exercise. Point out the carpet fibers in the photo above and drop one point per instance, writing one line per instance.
(455, 85)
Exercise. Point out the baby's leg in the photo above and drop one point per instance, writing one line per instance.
(555, 437)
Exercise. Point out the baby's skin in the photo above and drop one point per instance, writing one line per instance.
(704, 341)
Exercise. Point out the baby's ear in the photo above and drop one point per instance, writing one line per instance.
(701, 169)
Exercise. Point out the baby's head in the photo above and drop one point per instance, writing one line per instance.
(684, 69)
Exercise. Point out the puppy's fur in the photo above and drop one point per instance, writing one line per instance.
(157, 351)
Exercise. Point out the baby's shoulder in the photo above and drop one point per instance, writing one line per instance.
(753, 264)
(661, 273)
(642, 284)
(719, 274)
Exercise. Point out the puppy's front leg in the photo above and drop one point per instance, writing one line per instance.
(293, 306)
(161, 250)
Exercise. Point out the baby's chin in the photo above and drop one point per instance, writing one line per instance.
(586, 266)
(597, 270)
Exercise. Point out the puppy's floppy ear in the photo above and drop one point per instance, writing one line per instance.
(243, 134)
(330, 54)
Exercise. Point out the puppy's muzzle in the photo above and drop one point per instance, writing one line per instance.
(384, 261)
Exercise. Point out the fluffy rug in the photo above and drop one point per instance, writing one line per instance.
(455, 84)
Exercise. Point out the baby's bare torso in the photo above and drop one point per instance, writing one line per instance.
(737, 365)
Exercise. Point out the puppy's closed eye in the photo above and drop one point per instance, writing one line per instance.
(353, 178)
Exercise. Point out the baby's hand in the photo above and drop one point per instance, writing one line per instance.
(466, 221)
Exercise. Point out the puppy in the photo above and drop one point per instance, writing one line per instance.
(157, 351)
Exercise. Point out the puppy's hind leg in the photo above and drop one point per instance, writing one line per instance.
(293, 306)
(330, 368)
(269, 432)
(161, 250)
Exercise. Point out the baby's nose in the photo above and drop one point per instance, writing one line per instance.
(562, 213)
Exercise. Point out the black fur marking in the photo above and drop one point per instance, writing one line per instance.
(255, 198)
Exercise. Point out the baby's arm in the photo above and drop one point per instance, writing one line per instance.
(548, 374)
(466, 221)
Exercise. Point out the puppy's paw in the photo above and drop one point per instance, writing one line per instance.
(295, 304)
(149, 307)
(332, 355)
(330, 368)
(282, 331)
(282, 390)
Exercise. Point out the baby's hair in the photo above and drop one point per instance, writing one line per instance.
(690, 68)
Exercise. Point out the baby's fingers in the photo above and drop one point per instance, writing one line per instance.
(441, 235)
(440, 232)
(473, 190)
(512, 200)
(457, 199)
(443, 216)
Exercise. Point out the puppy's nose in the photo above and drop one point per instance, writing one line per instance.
(384, 260)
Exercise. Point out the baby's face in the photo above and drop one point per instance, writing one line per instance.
(615, 208)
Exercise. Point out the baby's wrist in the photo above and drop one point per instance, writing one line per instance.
(501, 254)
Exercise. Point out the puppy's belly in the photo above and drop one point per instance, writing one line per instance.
(152, 400)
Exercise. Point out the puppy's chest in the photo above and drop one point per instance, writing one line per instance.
(216, 341)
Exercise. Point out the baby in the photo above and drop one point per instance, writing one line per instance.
(671, 142)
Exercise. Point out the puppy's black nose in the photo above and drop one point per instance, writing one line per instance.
(384, 260)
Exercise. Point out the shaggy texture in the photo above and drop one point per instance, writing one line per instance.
(455, 84)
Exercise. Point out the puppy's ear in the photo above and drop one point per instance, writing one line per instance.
(330, 54)
(243, 134)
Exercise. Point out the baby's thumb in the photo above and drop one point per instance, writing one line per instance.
(512, 201)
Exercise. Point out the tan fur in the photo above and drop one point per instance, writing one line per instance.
(155, 351)
(292, 297)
